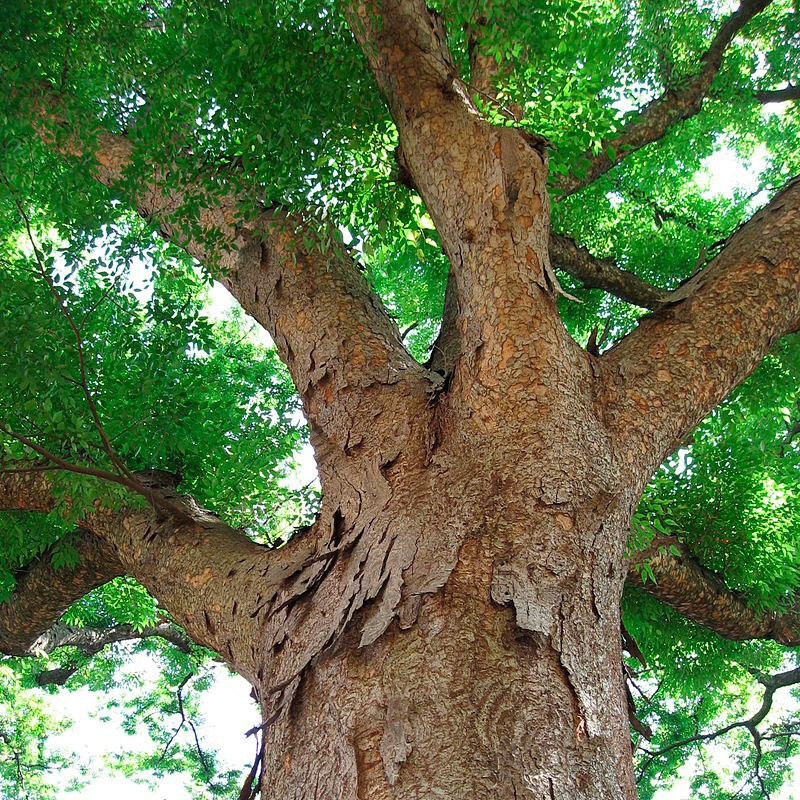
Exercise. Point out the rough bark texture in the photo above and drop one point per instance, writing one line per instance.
(661, 380)
(603, 273)
(90, 641)
(449, 627)
(703, 597)
(43, 593)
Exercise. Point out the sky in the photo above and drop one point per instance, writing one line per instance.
(229, 711)
(95, 733)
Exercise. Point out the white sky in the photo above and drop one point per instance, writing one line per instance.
(227, 706)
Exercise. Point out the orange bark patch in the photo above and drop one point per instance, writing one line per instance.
(507, 353)
(302, 322)
(198, 581)
(524, 221)
(564, 521)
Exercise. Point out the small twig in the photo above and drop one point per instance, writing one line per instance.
(594, 343)
(251, 786)
(17, 760)
(408, 330)
(199, 749)
(179, 693)
(60, 463)
(84, 385)
(771, 684)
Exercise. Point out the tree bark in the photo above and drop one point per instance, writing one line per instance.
(498, 672)
(703, 597)
(43, 593)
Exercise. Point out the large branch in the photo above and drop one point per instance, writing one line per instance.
(703, 597)
(25, 490)
(483, 185)
(658, 382)
(603, 273)
(786, 94)
(342, 349)
(652, 122)
(43, 593)
(212, 579)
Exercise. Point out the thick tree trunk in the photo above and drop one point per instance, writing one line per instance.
(483, 659)
(473, 698)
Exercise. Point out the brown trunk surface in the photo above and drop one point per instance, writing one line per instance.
(468, 702)
(483, 572)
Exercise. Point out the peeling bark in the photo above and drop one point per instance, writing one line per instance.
(514, 688)
(342, 349)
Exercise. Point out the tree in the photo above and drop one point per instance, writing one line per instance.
(501, 181)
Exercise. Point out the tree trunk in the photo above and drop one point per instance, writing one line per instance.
(468, 702)
(488, 662)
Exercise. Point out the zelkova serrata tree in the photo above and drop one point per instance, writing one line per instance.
(448, 625)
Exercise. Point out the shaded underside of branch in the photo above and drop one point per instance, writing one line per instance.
(90, 641)
(787, 93)
(603, 273)
(44, 593)
(703, 597)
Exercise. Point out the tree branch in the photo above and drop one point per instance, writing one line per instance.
(133, 483)
(198, 568)
(24, 489)
(43, 593)
(652, 122)
(771, 684)
(342, 349)
(603, 273)
(62, 307)
(789, 92)
(703, 597)
(90, 641)
(483, 185)
(658, 382)
(186, 721)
